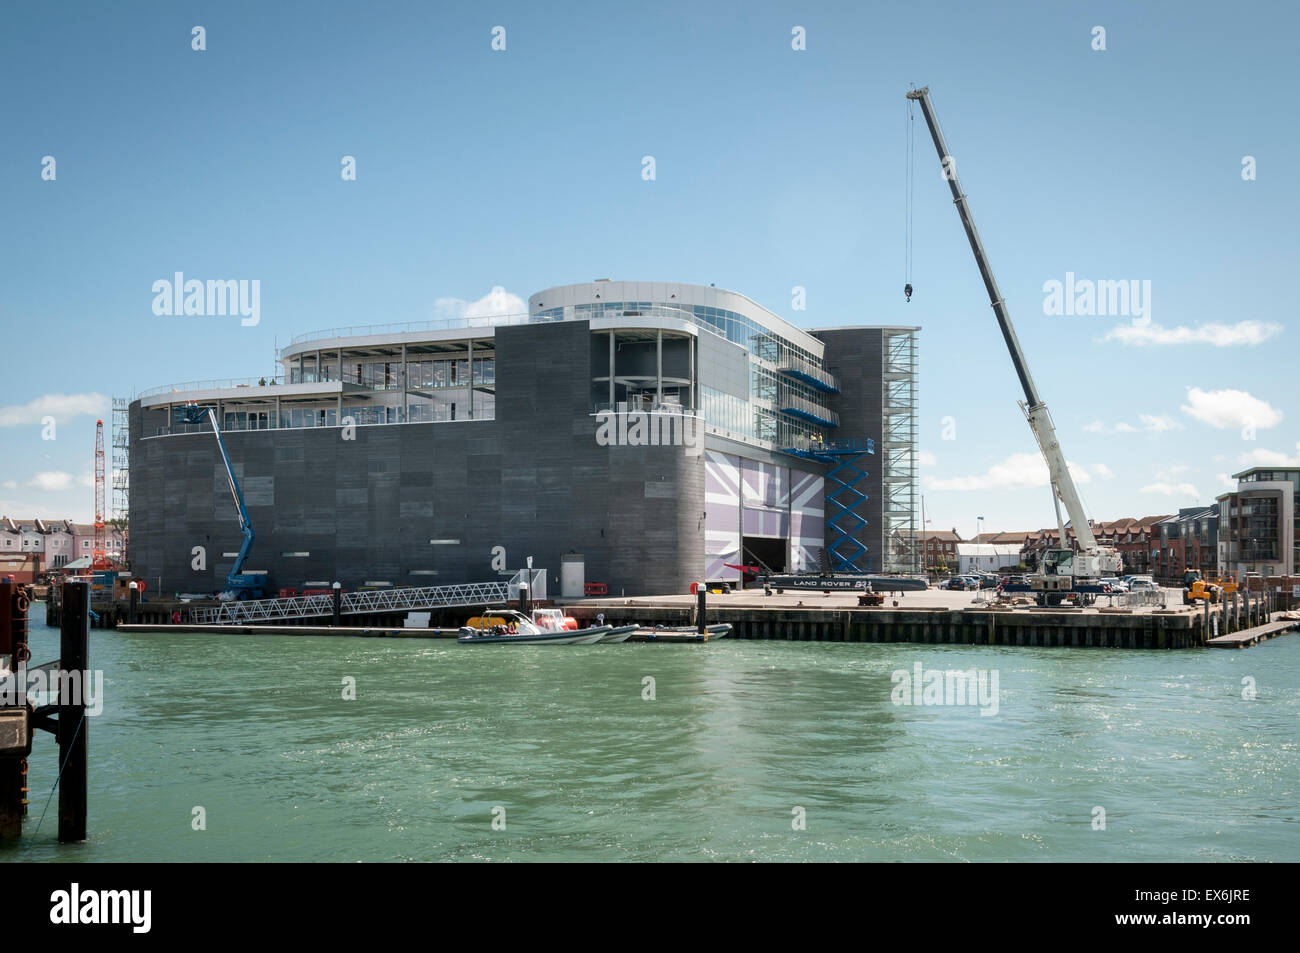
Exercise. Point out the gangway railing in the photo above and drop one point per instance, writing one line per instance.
(355, 603)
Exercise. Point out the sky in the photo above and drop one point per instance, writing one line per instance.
(775, 168)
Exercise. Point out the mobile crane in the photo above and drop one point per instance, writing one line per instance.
(239, 584)
(1062, 572)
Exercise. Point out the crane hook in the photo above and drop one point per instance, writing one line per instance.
(907, 290)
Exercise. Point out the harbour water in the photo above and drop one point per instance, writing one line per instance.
(738, 737)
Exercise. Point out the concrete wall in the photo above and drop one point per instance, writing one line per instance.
(533, 480)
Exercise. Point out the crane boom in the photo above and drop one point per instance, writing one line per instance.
(245, 526)
(1035, 410)
(239, 584)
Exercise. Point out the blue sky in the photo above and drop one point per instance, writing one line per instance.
(775, 168)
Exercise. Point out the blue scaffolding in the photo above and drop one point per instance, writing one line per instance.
(843, 498)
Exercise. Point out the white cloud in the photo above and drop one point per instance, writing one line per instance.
(9, 485)
(1220, 335)
(497, 303)
(1171, 489)
(1098, 427)
(1148, 423)
(1269, 458)
(1226, 481)
(57, 480)
(51, 480)
(1170, 472)
(926, 459)
(1018, 471)
(1229, 408)
(58, 406)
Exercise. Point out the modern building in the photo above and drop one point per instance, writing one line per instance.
(652, 433)
(1188, 540)
(1259, 525)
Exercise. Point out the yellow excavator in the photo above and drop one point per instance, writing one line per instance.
(1213, 591)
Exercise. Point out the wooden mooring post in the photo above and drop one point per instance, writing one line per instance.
(65, 717)
(73, 730)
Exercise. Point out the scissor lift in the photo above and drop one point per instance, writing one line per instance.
(843, 496)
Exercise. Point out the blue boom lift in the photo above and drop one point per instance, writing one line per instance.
(239, 584)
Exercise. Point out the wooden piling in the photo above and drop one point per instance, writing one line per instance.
(73, 732)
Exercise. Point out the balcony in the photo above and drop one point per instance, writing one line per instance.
(806, 410)
(808, 373)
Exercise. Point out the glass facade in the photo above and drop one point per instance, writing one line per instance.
(430, 382)
(783, 410)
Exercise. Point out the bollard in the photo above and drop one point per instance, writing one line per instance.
(73, 731)
(701, 609)
(338, 604)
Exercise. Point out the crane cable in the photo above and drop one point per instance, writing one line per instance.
(907, 189)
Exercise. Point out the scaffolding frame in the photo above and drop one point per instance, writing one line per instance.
(901, 552)
(121, 448)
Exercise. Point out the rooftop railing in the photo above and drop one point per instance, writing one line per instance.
(446, 324)
(216, 384)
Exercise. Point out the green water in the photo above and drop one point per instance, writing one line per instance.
(255, 731)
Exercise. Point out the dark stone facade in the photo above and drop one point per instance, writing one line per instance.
(855, 356)
(533, 480)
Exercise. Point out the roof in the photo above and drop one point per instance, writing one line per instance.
(37, 525)
(1238, 476)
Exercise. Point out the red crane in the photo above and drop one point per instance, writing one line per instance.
(99, 559)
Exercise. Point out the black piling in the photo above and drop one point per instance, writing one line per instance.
(525, 600)
(338, 604)
(701, 609)
(73, 732)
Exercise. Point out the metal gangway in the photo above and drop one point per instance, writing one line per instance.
(355, 603)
